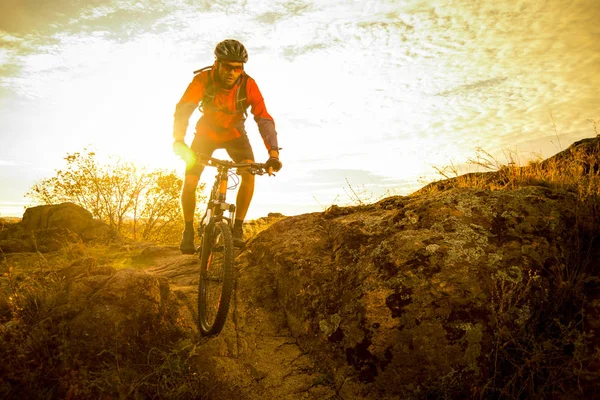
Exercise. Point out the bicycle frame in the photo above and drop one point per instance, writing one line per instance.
(217, 204)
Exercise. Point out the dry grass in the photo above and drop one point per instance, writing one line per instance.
(573, 169)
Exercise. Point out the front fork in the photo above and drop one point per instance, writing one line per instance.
(215, 209)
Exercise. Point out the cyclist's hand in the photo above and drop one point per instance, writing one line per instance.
(273, 163)
(179, 147)
(183, 151)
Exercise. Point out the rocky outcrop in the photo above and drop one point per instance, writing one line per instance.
(67, 216)
(93, 327)
(406, 298)
(112, 310)
(51, 227)
(254, 227)
(582, 158)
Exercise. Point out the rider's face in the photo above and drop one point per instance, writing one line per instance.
(229, 72)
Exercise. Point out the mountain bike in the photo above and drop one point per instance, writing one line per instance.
(216, 249)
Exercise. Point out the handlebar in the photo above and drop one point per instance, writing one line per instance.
(253, 168)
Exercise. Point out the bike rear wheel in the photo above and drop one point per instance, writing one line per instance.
(216, 278)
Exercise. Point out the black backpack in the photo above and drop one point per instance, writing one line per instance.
(241, 102)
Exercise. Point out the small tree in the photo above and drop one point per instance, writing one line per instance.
(160, 218)
(133, 201)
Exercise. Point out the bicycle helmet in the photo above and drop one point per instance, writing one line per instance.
(231, 50)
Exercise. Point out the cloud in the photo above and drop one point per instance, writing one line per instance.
(45, 18)
(338, 178)
(481, 84)
(281, 11)
(12, 51)
(26, 16)
(7, 163)
(292, 52)
(120, 20)
(270, 17)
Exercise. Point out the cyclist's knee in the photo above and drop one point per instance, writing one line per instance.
(194, 172)
(247, 176)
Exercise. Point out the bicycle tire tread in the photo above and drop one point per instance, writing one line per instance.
(207, 329)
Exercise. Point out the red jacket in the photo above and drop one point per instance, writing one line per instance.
(221, 122)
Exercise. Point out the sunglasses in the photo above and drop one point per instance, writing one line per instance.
(229, 67)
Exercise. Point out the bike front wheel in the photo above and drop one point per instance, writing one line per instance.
(216, 278)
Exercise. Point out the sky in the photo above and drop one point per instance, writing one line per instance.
(367, 96)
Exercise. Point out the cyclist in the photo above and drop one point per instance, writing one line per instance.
(218, 89)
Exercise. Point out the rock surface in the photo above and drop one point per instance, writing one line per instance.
(112, 309)
(66, 215)
(51, 227)
(400, 296)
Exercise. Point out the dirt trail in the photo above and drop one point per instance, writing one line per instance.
(255, 350)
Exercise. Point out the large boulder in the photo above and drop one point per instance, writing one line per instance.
(108, 308)
(51, 227)
(65, 215)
